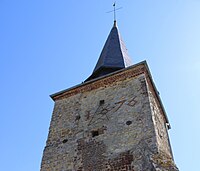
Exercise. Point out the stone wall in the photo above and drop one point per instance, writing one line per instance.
(108, 128)
(160, 127)
(164, 158)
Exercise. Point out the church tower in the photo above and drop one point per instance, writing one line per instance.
(114, 121)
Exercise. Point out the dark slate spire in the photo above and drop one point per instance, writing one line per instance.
(114, 55)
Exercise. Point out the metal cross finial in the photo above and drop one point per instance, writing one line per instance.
(115, 9)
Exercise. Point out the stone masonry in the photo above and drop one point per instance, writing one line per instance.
(113, 123)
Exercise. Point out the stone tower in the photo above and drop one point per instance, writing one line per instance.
(114, 121)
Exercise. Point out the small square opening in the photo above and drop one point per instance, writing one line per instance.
(102, 102)
(65, 140)
(128, 122)
(95, 133)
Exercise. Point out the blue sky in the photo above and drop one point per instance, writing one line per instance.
(47, 46)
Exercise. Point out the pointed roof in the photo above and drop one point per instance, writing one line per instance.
(113, 57)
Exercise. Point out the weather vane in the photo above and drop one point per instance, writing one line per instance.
(114, 10)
